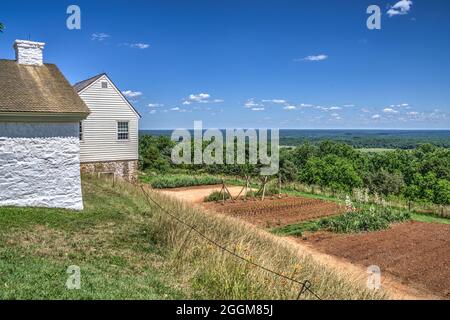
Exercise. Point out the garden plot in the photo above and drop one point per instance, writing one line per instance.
(274, 212)
(417, 253)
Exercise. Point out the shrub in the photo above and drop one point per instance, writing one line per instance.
(216, 196)
(350, 222)
(364, 220)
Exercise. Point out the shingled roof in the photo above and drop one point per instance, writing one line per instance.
(37, 89)
(79, 86)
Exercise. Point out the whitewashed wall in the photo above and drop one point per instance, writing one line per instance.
(107, 107)
(40, 165)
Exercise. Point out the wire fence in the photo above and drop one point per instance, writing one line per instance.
(304, 285)
(362, 196)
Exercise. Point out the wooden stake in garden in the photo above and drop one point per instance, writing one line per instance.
(279, 186)
(262, 188)
(224, 190)
(245, 188)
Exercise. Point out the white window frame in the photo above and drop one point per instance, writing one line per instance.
(117, 130)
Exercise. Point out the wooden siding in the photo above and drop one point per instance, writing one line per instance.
(107, 107)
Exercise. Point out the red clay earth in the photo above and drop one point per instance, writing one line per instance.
(274, 212)
(416, 253)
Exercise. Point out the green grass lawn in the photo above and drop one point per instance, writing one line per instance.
(107, 240)
(127, 248)
(429, 218)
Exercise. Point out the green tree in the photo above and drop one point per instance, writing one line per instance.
(331, 171)
(2, 27)
(384, 182)
(155, 153)
(442, 192)
(288, 171)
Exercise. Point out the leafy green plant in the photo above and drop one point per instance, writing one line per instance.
(350, 222)
(364, 220)
(177, 181)
(216, 196)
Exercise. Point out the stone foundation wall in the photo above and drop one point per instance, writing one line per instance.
(127, 169)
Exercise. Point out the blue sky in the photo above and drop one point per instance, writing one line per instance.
(235, 64)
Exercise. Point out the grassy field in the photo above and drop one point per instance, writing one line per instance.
(129, 249)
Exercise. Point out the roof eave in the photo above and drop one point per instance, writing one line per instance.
(42, 116)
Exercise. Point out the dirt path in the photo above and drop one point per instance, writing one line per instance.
(197, 194)
(355, 270)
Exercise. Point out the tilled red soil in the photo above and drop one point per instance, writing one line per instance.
(417, 253)
(273, 212)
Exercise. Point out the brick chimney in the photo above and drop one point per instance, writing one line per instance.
(29, 52)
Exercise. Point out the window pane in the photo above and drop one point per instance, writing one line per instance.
(122, 130)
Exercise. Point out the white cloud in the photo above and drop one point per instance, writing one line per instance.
(413, 113)
(155, 105)
(178, 109)
(328, 108)
(306, 105)
(200, 98)
(290, 108)
(131, 94)
(99, 36)
(401, 105)
(389, 110)
(319, 57)
(376, 116)
(348, 105)
(140, 45)
(252, 104)
(152, 111)
(400, 8)
(277, 101)
(258, 109)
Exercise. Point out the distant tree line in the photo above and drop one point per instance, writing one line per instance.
(421, 174)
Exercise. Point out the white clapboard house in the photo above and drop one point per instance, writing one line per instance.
(39, 144)
(109, 135)
(49, 129)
